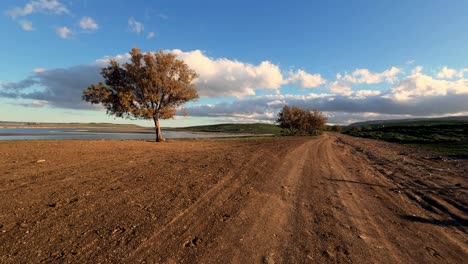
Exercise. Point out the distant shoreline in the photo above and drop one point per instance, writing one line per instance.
(131, 130)
(216, 129)
(107, 133)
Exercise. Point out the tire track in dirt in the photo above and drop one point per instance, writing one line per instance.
(192, 227)
(357, 210)
(317, 236)
(265, 216)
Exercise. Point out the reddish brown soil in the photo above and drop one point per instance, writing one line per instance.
(331, 198)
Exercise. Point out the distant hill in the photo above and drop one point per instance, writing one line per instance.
(256, 128)
(414, 121)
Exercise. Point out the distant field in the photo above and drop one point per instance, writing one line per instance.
(256, 128)
(446, 137)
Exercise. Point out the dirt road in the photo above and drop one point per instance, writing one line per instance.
(324, 199)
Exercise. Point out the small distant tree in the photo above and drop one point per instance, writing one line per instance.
(150, 86)
(292, 119)
(336, 128)
(300, 121)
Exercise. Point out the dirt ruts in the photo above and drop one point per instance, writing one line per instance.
(325, 199)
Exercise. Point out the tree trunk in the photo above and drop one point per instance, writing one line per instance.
(157, 128)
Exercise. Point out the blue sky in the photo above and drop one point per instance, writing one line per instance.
(355, 60)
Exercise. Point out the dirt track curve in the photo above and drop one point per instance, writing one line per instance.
(324, 199)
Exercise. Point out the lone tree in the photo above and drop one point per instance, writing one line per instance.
(150, 86)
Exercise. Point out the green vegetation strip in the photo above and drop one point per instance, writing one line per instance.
(449, 138)
(257, 128)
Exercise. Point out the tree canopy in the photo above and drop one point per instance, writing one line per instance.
(297, 120)
(150, 86)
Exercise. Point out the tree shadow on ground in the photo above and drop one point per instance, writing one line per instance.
(403, 188)
(358, 182)
(433, 221)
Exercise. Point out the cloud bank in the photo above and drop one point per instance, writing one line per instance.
(345, 98)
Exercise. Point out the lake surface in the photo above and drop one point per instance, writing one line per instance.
(97, 133)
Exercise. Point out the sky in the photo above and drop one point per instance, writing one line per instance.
(353, 60)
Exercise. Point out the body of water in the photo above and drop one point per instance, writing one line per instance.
(96, 133)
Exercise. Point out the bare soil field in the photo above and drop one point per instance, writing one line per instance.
(326, 199)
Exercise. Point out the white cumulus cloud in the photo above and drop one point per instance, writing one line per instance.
(26, 25)
(447, 73)
(87, 23)
(359, 76)
(225, 77)
(64, 32)
(150, 35)
(305, 80)
(365, 93)
(419, 85)
(340, 87)
(135, 26)
(417, 70)
(39, 6)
